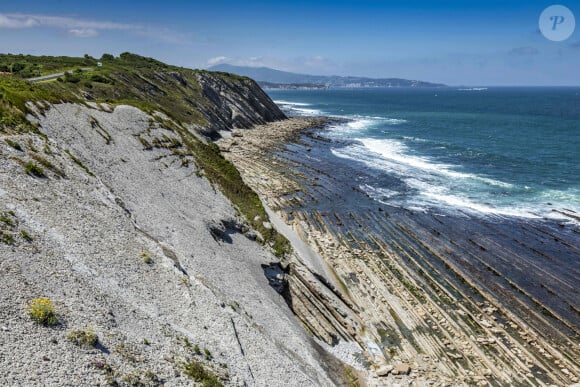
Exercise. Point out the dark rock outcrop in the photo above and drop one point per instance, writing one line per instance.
(235, 102)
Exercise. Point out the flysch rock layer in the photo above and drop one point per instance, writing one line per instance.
(90, 231)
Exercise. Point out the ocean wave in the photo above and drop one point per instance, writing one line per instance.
(458, 201)
(357, 124)
(435, 184)
(307, 112)
(395, 150)
(473, 89)
(289, 103)
(298, 108)
(385, 120)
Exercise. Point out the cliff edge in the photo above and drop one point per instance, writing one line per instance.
(131, 252)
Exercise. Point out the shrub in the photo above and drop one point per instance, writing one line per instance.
(82, 337)
(42, 311)
(197, 372)
(6, 220)
(146, 257)
(25, 235)
(100, 79)
(14, 144)
(32, 169)
(7, 238)
(47, 164)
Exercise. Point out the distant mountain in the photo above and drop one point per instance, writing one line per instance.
(271, 78)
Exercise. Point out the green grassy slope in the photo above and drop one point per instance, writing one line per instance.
(151, 86)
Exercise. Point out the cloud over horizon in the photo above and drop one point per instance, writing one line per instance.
(86, 28)
(75, 27)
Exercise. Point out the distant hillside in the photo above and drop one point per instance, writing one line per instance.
(271, 76)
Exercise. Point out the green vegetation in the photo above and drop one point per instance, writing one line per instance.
(82, 337)
(224, 174)
(28, 66)
(110, 372)
(42, 311)
(32, 169)
(147, 84)
(47, 164)
(196, 370)
(14, 144)
(25, 235)
(6, 219)
(79, 163)
(207, 354)
(7, 238)
(146, 257)
(136, 378)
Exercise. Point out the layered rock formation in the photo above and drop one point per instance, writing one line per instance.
(107, 212)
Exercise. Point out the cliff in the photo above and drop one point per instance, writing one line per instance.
(131, 252)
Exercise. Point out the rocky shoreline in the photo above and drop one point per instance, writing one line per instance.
(426, 293)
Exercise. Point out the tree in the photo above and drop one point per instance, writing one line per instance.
(16, 67)
(107, 57)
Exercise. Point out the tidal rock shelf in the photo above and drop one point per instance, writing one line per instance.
(441, 298)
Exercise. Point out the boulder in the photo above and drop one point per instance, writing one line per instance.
(401, 369)
(384, 370)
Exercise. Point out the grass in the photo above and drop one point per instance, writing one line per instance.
(83, 337)
(47, 164)
(32, 169)
(151, 86)
(146, 256)
(224, 174)
(25, 235)
(6, 219)
(42, 311)
(79, 163)
(199, 373)
(7, 238)
(14, 144)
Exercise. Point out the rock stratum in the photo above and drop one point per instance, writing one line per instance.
(143, 240)
(429, 299)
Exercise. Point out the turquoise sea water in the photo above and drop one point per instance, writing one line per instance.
(508, 151)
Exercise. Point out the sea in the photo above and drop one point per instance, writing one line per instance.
(505, 151)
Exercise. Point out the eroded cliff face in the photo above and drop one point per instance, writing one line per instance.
(119, 237)
(235, 102)
(113, 214)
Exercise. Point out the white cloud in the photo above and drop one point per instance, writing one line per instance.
(217, 60)
(83, 32)
(18, 21)
(83, 28)
(9, 21)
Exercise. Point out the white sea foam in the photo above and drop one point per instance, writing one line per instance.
(435, 184)
(299, 108)
(395, 150)
(358, 124)
(473, 89)
(288, 103)
(307, 112)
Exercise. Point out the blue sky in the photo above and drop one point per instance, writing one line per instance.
(454, 42)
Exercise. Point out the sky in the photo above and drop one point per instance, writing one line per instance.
(453, 42)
